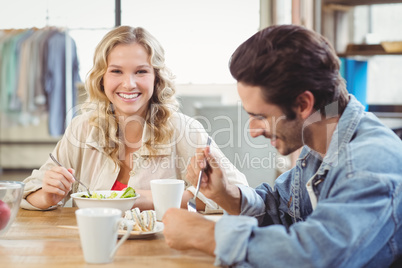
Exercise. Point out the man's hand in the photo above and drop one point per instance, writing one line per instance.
(213, 181)
(214, 184)
(188, 230)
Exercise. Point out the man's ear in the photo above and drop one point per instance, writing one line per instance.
(305, 104)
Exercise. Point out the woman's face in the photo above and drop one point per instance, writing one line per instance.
(129, 80)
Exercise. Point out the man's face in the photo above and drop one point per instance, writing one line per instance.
(269, 120)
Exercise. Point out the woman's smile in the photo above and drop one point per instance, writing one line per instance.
(129, 96)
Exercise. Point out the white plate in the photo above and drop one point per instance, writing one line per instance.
(139, 234)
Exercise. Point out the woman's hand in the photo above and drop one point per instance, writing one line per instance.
(57, 183)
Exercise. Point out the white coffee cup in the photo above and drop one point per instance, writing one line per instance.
(166, 193)
(98, 228)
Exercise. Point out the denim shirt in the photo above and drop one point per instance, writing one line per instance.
(357, 221)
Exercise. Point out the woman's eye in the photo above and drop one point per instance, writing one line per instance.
(115, 71)
(142, 71)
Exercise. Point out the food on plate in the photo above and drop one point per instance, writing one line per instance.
(129, 192)
(4, 214)
(144, 221)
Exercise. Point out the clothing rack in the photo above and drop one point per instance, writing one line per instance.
(52, 37)
(37, 138)
(49, 141)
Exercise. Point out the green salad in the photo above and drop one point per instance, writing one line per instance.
(129, 192)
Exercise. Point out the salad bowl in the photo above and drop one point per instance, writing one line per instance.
(106, 199)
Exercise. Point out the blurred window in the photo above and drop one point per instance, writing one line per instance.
(374, 24)
(198, 36)
(87, 21)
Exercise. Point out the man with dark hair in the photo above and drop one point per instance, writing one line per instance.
(340, 206)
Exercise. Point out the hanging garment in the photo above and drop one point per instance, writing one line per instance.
(33, 77)
(55, 81)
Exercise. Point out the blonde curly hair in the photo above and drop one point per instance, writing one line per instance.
(161, 105)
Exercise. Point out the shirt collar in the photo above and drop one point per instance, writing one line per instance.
(345, 129)
(342, 135)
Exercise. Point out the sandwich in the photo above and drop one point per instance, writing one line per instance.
(144, 221)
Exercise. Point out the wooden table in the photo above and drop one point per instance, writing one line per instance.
(36, 240)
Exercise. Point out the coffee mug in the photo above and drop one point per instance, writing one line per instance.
(166, 193)
(98, 229)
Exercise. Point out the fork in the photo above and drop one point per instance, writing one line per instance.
(192, 204)
(58, 163)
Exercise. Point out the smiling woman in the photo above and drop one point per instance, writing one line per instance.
(129, 131)
(129, 84)
(198, 50)
(129, 80)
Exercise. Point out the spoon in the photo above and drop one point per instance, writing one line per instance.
(58, 163)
